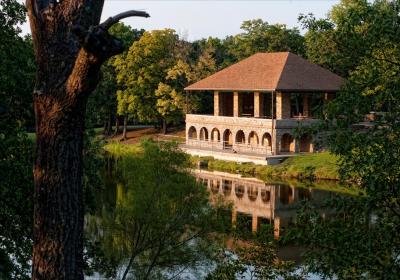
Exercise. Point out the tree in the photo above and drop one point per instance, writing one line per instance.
(260, 36)
(70, 46)
(361, 239)
(102, 106)
(141, 71)
(16, 150)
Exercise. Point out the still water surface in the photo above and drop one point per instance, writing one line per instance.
(253, 202)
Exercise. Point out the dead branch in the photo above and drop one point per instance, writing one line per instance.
(113, 20)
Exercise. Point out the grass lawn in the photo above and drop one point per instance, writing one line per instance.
(308, 166)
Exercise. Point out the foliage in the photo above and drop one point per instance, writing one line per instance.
(309, 166)
(160, 216)
(141, 71)
(16, 150)
(260, 36)
(102, 105)
(360, 241)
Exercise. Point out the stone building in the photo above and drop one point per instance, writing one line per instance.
(258, 102)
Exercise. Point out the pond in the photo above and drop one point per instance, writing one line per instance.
(252, 206)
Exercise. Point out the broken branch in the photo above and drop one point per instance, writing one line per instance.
(113, 20)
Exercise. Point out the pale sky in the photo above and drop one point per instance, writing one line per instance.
(203, 18)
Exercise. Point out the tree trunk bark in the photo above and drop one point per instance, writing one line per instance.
(58, 211)
(70, 46)
(125, 127)
(164, 126)
(116, 125)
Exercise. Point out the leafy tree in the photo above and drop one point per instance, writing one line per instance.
(360, 240)
(102, 106)
(352, 29)
(260, 36)
(16, 149)
(141, 71)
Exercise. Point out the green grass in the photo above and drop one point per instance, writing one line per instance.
(310, 166)
(119, 150)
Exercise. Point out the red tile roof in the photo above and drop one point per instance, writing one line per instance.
(280, 71)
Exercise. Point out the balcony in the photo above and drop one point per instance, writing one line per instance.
(246, 135)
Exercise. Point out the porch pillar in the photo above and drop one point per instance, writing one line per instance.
(254, 223)
(217, 104)
(258, 104)
(277, 225)
(234, 216)
(275, 143)
(236, 104)
(282, 105)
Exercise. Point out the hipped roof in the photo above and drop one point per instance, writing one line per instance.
(280, 71)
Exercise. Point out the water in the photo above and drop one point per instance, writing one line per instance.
(254, 205)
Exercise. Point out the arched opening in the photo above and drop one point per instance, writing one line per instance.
(287, 143)
(265, 196)
(285, 194)
(215, 135)
(252, 193)
(253, 138)
(240, 138)
(215, 186)
(227, 187)
(305, 143)
(239, 191)
(266, 140)
(192, 133)
(228, 139)
(203, 134)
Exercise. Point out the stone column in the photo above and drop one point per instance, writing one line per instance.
(306, 105)
(275, 143)
(234, 216)
(217, 104)
(282, 105)
(254, 223)
(258, 104)
(236, 104)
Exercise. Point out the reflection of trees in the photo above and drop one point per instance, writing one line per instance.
(158, 220)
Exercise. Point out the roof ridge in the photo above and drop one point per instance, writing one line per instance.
(282, 70)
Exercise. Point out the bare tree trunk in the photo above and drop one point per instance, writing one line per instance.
(107, 125)
(70, 46)
(164, 126)
(125, 127)
(116, 125)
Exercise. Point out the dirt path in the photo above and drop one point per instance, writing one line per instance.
(134, 135)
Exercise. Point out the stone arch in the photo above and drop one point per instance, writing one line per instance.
(228, 138)
(215, 136)
(265, 196)
(286, 194)
(204, 134)
(305, 143)
(227, 187)
(215, 186)
(266, 140)
(253, 138)
(252, 193)
(287, 143)
(239, 191)
(240, 137)
(192, 133)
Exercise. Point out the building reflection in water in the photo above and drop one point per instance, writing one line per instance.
(270, 203)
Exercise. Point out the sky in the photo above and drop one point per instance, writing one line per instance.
(196, 19)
